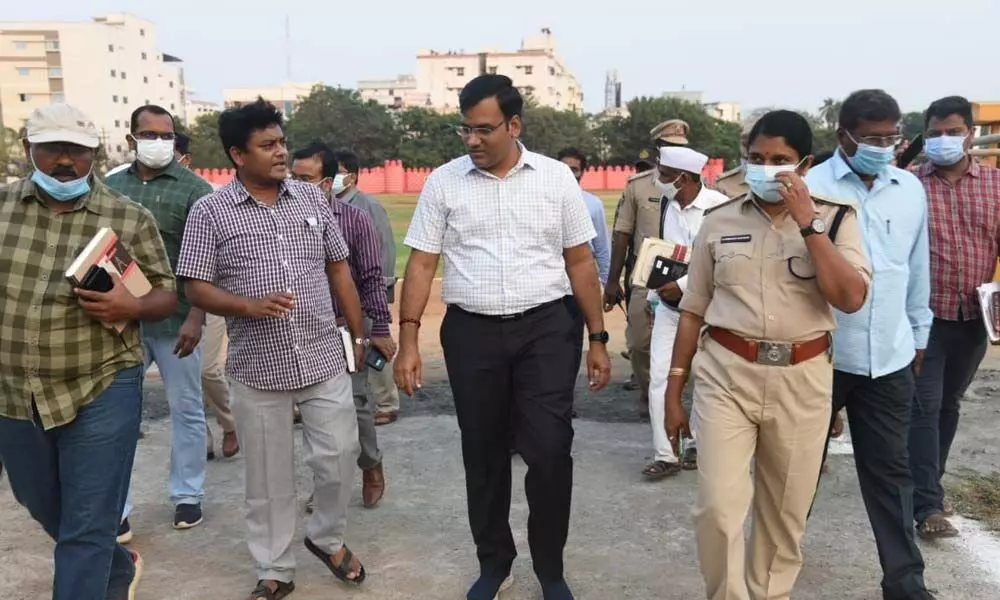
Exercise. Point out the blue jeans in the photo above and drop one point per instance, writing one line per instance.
(182, 384)
(72, 479)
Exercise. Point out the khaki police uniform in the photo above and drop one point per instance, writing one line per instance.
(732, 184)
(763, 380)
(638, 215)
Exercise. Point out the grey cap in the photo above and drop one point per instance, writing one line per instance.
(62, 123)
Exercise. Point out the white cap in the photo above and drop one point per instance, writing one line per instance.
(683, 159)
(62, 123)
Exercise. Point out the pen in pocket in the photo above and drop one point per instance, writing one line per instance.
(888, 226)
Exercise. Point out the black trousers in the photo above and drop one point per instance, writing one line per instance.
(507, 377)
(579, 323)
(954, 352)
(878, 411)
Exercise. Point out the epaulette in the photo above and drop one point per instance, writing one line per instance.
(641, 175)
(715, 208)
(828, 200)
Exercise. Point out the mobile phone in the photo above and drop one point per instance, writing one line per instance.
(375, 359)
(916, 147)
(97, 279)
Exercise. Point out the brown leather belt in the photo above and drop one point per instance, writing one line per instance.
(777, 354)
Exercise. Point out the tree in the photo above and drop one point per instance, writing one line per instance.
(547, 131)
(912, 124)
(829, 113)
(206, 147)
(428, 138)
(341, 119)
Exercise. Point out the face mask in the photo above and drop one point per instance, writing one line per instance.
(155, 154)
(668, 189)
(871, 160)
(763, 183)
(945, 150)
(60, 191)
(338, 183)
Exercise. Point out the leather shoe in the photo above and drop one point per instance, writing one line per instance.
(373, 486)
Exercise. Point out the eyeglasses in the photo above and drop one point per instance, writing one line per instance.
(465, 131)
(54, 150)
(152, 135)
(882, 141)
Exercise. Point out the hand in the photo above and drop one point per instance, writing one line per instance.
(277, 304)
(671, 292)
(385, 345)
(918, 362)
(838, 426)
(117, 305)
(188, 338)
(612, 295)
(406, 370)
(797, 199)
(676, 416)
(598, 366)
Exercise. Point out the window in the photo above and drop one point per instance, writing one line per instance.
(111, 47)
(114, 98)
(55, 72)
(114, 73)
(147, 101)
(528, 69)
(23, 97)
(552, 70)
(23, 71)
(52, 45)
(118, 147)
(172, 106)
(460, 71)
(124, 99)
(493, 70)
(171, 84)
(145, 79)
(20, 46)
(142, 33)
(143, 56)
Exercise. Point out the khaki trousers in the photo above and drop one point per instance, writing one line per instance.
(778, 417)
(382, 389)
(638, 335)
(214, 385)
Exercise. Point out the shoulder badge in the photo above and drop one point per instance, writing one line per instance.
(638, 176)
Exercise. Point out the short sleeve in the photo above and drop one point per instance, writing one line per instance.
(701, 275)
(150, 254)
(199, 245)
(427, 227)
(577, 225)
(625, 215)
(851, 246)
(334, 244)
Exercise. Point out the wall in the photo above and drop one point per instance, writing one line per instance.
(394, 178)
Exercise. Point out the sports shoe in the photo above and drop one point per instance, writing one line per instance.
(187, 516)
(125, 532)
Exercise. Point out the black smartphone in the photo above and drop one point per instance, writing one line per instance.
(375, 359)
(97, 280)
(916, 147)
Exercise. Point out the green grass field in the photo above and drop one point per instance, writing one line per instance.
(400, 209)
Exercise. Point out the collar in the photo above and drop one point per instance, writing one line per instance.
(927, 169)
(349, 196)
(842, 169)
(242, 194)
(90, 201)
(173, 170)
(527, 159)
(701, 201)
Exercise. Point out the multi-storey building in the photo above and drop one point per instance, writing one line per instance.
(107, 67)
(196, 108)
(284, 97)
(536, 69)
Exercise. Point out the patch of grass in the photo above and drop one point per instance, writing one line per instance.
(401, 206)
(977, 496)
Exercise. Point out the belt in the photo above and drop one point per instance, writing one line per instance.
(510, 317)
(775, 354)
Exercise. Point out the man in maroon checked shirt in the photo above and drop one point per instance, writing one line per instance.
(963, 218)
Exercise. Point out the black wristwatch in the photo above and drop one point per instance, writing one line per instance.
(816, 226)
(600, 337)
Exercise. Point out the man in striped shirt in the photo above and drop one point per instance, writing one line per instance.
(963, 216)
(317, 165)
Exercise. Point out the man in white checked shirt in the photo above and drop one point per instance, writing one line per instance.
(511, 225)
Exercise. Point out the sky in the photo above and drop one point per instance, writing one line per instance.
(783, 53)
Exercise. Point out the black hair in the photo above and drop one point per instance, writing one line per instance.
(822, 157)
(950, 105)
(787, 124)
(182, 143)
(868, 105)
(237, 124)
(349, 160)
(492, 86)
(573, 153)
(152, 109)
(325, 156)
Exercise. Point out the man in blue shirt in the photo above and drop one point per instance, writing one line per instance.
(878, 349)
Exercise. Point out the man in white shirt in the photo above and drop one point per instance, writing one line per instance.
(683, 205)
(514, 232)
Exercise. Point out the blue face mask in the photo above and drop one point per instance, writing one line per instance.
(60, 191)
(871, 160)
(945, 150)
(762, 181)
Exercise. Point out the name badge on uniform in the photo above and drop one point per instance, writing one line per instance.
(735, 239)
(655, 199)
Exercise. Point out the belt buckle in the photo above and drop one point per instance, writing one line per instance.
(774, 354)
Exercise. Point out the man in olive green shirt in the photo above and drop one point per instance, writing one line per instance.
(70, 388)
(168, 190)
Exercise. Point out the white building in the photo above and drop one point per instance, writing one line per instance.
(196, 108)
(284, 97)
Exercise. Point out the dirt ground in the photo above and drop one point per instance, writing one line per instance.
(629, 539)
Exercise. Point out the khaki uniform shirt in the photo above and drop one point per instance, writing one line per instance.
(639, 209)
(731, 183)
(741, 273)
(54, 355)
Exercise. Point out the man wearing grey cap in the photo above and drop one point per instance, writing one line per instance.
(70, 388)
(638, 217)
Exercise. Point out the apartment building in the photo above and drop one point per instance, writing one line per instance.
(536, 69)
(196, 108)
(284, 97)
(108, 67)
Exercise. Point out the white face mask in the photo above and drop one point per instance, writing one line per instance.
(668, 189)
(338, 183)
(155, 154)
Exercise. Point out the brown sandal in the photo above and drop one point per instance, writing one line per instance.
(659, 469)
(343, 570)
(936, 527)
(384, 418)
(263, 592)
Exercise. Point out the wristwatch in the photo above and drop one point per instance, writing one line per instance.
(600, 337)
(816, 226)
(361, 341)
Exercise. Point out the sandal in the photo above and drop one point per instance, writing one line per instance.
(263, 592)
(343, 570)
(384, 418)
(936, 527)
(659, 469)
(949, 510)
(689, 462)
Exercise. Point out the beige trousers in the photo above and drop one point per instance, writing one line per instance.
(382, 389)
(214, 385)
(778, 417)
(638, 335)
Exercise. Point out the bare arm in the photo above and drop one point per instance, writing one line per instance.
(585, 283)
(619, 248)
(686, 342)
(206, 297)
(158, 304)
(420, 269)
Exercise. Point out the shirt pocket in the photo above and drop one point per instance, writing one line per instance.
(735, 263)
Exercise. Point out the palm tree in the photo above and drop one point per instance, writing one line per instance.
(830, 112)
